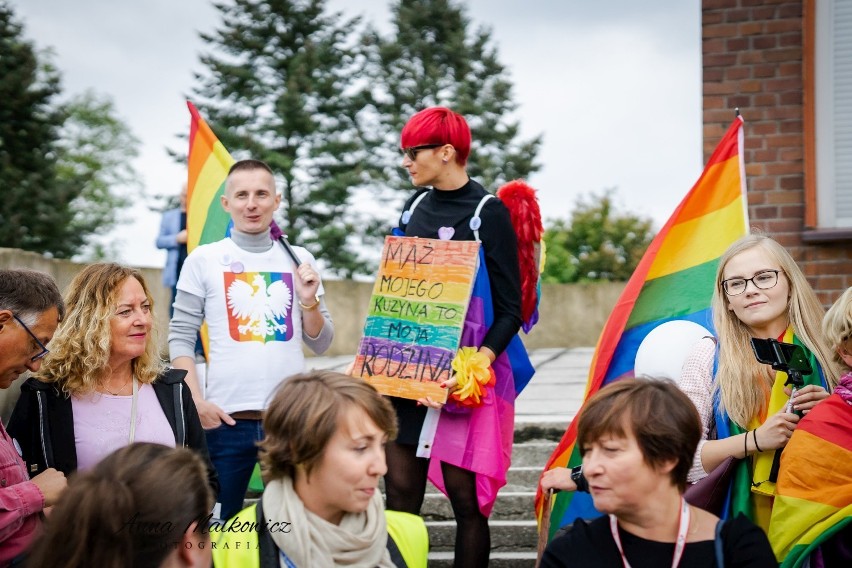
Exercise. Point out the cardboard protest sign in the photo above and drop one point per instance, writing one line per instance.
(416, 314)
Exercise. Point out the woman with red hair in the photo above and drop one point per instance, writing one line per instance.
(471, 450)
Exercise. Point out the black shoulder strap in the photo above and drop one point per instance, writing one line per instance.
(267, 549)
(169, 390)
(180, 419)
(717, 545)
(395, 553)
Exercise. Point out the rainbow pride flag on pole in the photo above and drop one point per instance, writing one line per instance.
(674, 281)
(209, 162)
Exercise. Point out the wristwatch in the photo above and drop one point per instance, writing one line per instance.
(579, 479)
(311, 307)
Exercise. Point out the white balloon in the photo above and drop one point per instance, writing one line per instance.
(663, 351)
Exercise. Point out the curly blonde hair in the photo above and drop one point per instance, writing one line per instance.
(837, 326)
(80, 350)
(743, 383)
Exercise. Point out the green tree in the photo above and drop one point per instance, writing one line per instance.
(597, 243)
(94, 150)
(433, 58)
(277, 86)
(34, 204)
(61, 164)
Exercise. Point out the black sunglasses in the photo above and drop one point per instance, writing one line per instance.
(412, 151)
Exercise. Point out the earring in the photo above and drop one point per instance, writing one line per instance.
(446, 161)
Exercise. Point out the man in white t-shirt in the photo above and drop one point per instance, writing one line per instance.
(260, 308)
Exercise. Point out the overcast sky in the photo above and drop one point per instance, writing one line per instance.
(613, 85)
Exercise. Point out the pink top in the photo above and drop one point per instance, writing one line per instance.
(696, 380)
(102, 424)
(20, 502)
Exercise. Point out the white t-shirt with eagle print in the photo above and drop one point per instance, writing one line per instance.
(253, 318)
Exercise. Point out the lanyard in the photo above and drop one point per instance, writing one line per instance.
(132, 435)
(286, 559)
(683, 527)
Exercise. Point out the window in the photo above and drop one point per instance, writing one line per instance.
(828, 77)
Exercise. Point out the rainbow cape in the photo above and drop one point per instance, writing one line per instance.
(674, 280)
(480, 439)
(813, 498)
(209, 162)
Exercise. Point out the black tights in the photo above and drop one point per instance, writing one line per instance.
(405, 485)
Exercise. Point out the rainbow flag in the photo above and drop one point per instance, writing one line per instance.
(674, 281)
(813, 501)
(209, 162)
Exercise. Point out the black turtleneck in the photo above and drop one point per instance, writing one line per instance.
(454, 209)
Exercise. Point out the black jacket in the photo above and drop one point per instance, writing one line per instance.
(43, 424)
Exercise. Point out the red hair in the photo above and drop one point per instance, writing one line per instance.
(438, 125)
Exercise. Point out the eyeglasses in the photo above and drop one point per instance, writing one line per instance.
(412, 151)
(763, 280)
(40, 345)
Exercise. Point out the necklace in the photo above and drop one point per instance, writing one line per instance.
(119, 390)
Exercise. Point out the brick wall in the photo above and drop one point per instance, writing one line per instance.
(752, 56)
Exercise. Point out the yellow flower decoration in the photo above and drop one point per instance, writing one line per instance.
(473, 373)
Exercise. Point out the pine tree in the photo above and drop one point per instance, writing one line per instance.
(433, 58)
(34, 203)
(277, 87)
(61, 164)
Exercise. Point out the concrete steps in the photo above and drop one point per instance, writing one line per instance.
(514, 532)
(506, 536)
(496, 560)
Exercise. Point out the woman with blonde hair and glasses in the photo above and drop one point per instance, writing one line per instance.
(103, 385)
(760, 293)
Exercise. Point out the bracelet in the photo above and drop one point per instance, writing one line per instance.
(312, 306)
(745, 446)
(754, 435)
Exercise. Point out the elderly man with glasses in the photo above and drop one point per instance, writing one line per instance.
(31, 308)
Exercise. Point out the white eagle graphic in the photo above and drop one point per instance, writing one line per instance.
(263, 306)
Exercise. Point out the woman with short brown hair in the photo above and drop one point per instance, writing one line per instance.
(637, 438)
(322, 456)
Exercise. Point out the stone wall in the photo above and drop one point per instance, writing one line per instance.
(574, 314)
